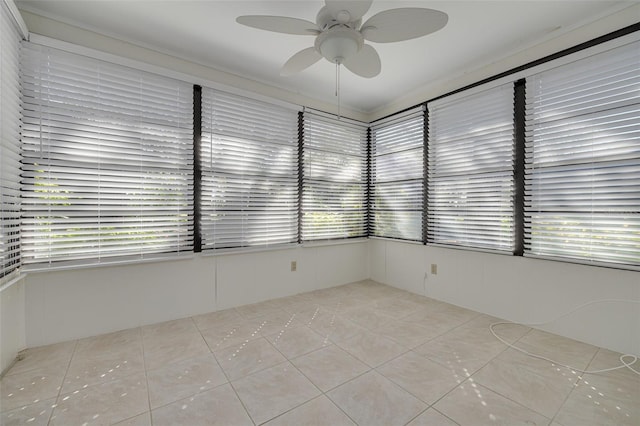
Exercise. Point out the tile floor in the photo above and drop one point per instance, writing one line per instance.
(362, 353)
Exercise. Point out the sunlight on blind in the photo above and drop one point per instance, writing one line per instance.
(249, 159)
(470, 170)
(107, 160)
(397, 176)
(334, 185)
(582, 178)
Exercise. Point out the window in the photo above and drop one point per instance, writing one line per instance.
(470, 170)
(334, 184)
(10, 123)
(107, 160)
(397, 176)
(105, 168)
(249, 160)
(582, 177)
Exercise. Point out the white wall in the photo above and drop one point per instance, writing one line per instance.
(77, 303)
(519, 289)
(12, 316)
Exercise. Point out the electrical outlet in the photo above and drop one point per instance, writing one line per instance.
(294, 266)
(434, 269)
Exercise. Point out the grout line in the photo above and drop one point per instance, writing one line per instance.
(298, 370)
(340, 408)
(326, 393)
(411, 393)
(129, 418)
(417, 415)
(514, 401)
(73, 352)
(230, 384)
(99, 383)
(291, 409)
(536, 374)
(486, 386)
(441, 413)
(146, 376)
(575, 385)
(322, 393)
(470, 375)
(350, 380)
(433, 404)
(199, 391)
(240, 399)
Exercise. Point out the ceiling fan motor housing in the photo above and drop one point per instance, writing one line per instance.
(339, 43)
(340, 33)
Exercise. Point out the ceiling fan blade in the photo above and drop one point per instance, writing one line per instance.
(356, 8)
(300, 61)
(403, 24)
(365, 63)
(279, 24)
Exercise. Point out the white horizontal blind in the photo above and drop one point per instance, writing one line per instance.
(107, 160)
(249, 159)
(334, 184)
(10, 123)
(470, 170)
(397, 176)
(582, 180)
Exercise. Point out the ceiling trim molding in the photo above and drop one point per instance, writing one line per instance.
(17, 18)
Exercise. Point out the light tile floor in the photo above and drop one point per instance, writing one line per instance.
(362, 353)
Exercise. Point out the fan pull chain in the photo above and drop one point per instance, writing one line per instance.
(338, 85)
(337, 77)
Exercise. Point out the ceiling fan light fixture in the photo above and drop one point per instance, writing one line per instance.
(339, 44)
(340, 33)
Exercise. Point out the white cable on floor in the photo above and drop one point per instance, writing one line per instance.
(624, 364)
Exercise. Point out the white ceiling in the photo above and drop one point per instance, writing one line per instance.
(478, 33)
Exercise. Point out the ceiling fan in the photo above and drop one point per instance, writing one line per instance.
(340, 33)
